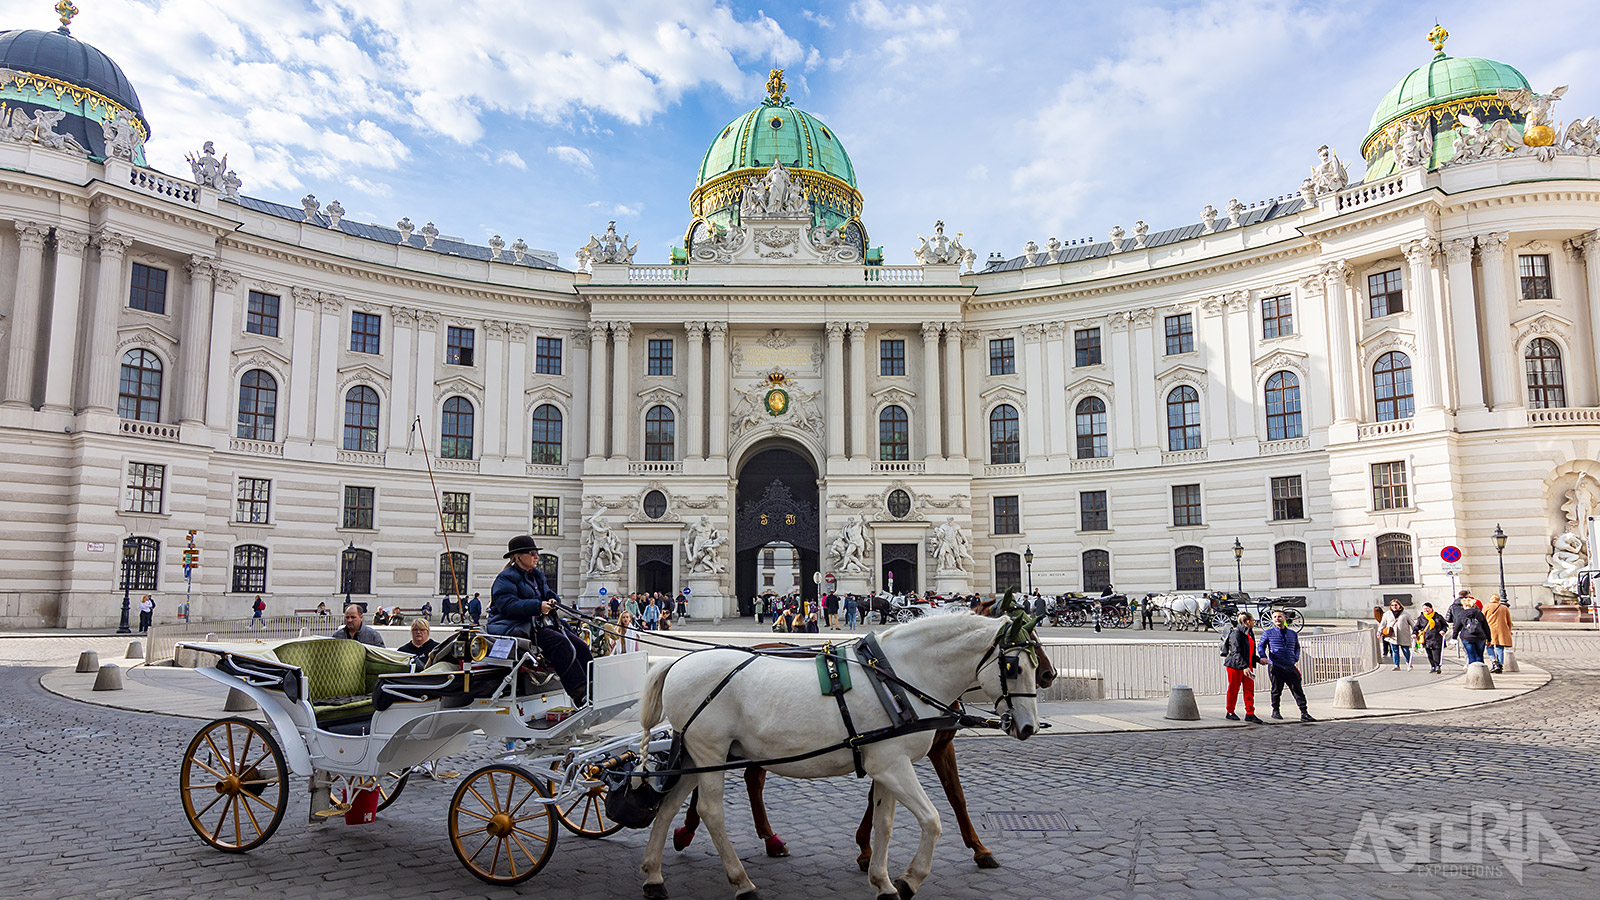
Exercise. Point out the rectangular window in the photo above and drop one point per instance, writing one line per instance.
(1287, 500)
(1186, 504)
(149, 289)
(1389, 486)
(144, 487)
(660, 357)
(1007, 516)
(546, 516)
(249, 569)
(891, 357)
(769, 558)
(1003, 356)
(358, 506)
(261, 314)
(254, 496)
(1092, 511)
(1180, 333)
(365, 331)
(458, 346)
(1277, 317)
(457, 512)
(1385, 294)
(547, 356)
(1534, 272)
(1088, 346)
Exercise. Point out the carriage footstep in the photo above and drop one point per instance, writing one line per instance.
(338, 809)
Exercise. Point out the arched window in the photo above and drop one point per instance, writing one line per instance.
(659, 432)
(1396, 564)
(355, 571)
(1096, 571)
(1391, 386)
(1005, 444)
(361, 419)
(455, 429)
(249, 569)
(144, 563)
(1007, 573)
(258, 406)
(1283, 407)
(1190, 567)
(546, 436)
(1183, 418)
(894, 433)
(1289, 558)
(550, 565)
(1091, 414)
(140, 394)
(453, 574)
(1546, 389)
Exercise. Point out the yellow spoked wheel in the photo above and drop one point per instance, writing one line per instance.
(585, 814)
(234, 784)
(498, 829)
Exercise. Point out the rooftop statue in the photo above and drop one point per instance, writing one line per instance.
(940, 251)
(775, 87)
(405, 228)
(1582, 137)
(209, 171)
(335, 212)
(1414, 145)
(1329, 174)
(1209, 217)
(1235, 212)
(1537, 130)
(1475, 141)
(310, 205)
(41, 130)
(608, 249)
(121, 138)
(777, 195)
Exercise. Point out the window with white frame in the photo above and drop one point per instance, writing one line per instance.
(144, 487)
(253, 500)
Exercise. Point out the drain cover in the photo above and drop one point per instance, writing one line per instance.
(1029, 821)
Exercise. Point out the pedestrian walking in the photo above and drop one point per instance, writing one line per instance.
(833, 610)
(1474, 631)
(1430, 631)
(1498, 615)
(615, 606)
(1240, 659)
(1280, 647)
(475, 608)
(1377, 619)
(258, 607)
(147, 612)
(1396, 629)
(683, 608)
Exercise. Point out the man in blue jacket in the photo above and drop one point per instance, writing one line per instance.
(521, 604)
(1281, 649)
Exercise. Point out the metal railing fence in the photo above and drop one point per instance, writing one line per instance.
(161, 639)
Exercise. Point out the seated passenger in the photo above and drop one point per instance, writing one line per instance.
(356, 631)
(521, 604)
(381, 617)
(420, 644)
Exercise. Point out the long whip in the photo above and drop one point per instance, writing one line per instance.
(450, 558)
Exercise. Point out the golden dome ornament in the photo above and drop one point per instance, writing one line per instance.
(1539, 136)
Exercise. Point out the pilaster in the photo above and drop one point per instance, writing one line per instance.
(65, 307)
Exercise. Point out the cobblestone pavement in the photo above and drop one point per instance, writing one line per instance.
(91, 811)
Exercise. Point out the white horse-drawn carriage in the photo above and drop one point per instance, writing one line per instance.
(352, 721)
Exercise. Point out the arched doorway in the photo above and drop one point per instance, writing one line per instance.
(776, 506)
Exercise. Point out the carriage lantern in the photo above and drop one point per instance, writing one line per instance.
(1238, 564)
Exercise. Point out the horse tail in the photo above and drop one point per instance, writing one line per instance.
(650, 706)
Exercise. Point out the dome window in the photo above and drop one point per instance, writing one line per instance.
(775, 122)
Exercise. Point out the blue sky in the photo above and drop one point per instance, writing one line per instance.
(1011, 121)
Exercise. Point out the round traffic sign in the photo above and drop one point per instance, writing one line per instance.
(602, 592)
(686, 592)
(829, 578)
(1450, 554)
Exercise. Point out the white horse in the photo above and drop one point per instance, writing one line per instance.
(1183, 610)
(772, 709)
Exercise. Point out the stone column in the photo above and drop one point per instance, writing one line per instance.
(577, 364)
(1124, 415)
(224, 307)
(1590, 245)
(1468, 361)
(833, 379)
(1503, 364)
(427, 364)
(695, 422)
(61, 364)
(1425, 371)
(518, 417)
(1336, 281)
(331, 336)
(597, 389)
(1036, 424)
(25, 315)
(859, 373)
(495, 421)
(621, 391)
(303, 341)
(932, 426)
(402, 395)
(193, 345)
(955, 399)
(101, 326)
(719, 388)
(1056, 354)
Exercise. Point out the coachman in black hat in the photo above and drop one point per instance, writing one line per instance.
(522, 604)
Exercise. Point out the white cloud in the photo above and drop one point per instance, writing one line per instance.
(821, 20)
(618, 210)
(911, 28)
(511, 158)
(572, 156)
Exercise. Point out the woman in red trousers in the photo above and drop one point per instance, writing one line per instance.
(1239, 652)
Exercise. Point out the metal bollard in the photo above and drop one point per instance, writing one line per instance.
(1347, 694)
(135, 650)
(88, 661)
(1181, 705)
(109, 679)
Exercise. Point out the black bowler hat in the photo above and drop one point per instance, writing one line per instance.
(522, 543)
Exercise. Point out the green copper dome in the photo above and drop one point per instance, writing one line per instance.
(777, 131)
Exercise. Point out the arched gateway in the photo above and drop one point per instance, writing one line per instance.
(776, 503)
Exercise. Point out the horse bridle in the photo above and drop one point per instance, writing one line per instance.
(1015, 639)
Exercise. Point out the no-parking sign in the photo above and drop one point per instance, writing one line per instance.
(1450, 554)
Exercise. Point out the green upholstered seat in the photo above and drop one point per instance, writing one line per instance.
(339, 675)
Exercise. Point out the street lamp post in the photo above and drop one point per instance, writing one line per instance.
(127, 578)
(1027, 557)
(1238, 564)
(349, 570)
(1500, 551)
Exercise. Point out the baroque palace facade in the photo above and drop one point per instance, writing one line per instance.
(1340, 382)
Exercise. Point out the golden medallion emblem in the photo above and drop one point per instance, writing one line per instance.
(777, 402)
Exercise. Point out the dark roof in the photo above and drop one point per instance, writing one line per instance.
(392, 236)
(1272, 209)
(57, 54)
